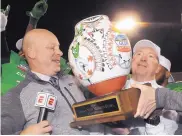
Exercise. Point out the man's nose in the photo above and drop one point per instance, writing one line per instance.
(59, 52)
(144, 58)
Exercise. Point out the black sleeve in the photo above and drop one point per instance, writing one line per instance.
(5, 53)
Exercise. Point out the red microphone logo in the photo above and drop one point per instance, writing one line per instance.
(41, 99)
(51, 102)
(46, 100)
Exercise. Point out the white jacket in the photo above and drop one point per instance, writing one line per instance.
(165, 127)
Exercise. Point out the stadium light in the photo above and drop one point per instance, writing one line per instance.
(126, 24)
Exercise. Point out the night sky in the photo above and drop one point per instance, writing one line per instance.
(62, 16)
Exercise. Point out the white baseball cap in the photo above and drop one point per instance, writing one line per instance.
(19, 44)
(147, 43)
(165, 62)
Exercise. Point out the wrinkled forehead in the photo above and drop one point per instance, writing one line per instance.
(48, 41)
(52, 45)
(147, 50)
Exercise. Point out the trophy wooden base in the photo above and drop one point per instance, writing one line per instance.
(116, 106)
(98, 121)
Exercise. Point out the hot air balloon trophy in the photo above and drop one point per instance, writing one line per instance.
(100, 58)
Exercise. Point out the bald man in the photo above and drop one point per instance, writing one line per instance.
(19, 115)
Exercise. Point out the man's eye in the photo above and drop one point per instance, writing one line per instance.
(138, 54)
(151, 56)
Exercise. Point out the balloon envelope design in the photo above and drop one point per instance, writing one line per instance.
(99, 56)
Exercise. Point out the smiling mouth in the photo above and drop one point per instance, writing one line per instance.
(57, 61)
(140, 65)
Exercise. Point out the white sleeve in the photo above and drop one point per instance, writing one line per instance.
(4, 21)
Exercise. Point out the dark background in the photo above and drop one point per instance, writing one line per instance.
(164, 17)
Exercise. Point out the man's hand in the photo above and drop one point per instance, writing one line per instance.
(38, 10)
(37, 129)
(4, 17)
(147, 102)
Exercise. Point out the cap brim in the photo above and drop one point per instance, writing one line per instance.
(19, 44)
(146, 43)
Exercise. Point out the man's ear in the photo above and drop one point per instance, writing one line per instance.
(31, 52)
(168, 74)
(158, 69)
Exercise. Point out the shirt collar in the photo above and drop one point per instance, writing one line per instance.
(133, 81)
(42, 76)
(153, 83)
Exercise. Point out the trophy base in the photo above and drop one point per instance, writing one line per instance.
(77, 124)
(112, 107)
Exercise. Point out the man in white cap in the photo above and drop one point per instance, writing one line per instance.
(145, 64)
(163, 77)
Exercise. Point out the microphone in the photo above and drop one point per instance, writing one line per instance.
(46, 100)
